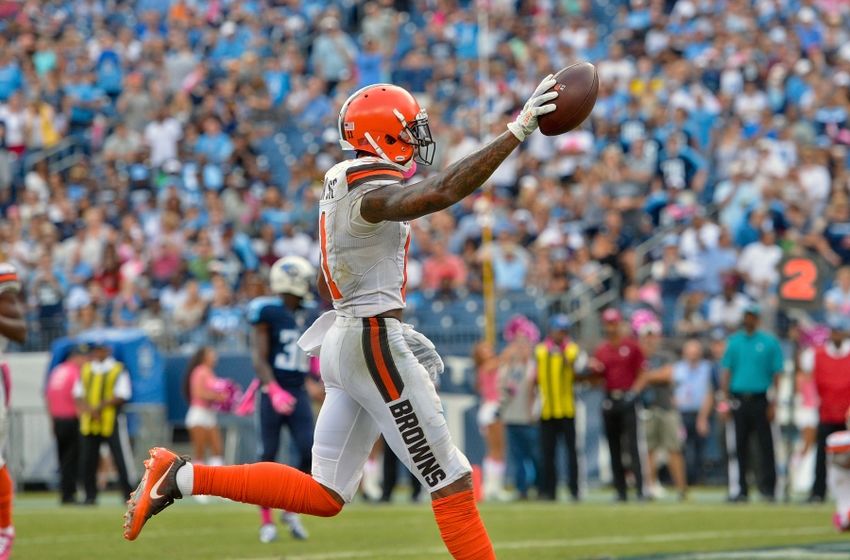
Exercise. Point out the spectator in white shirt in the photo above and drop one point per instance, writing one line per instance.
(759, 264)
(727, 309)
(161, 136)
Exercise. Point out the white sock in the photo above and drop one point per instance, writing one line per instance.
(216, 461)
(186, 479)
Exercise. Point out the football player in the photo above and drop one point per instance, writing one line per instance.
(283, 369)
(12, 327)
(378, 372)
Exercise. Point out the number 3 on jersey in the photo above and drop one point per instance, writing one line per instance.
(291, 358)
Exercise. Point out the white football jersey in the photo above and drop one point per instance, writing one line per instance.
(364, 264)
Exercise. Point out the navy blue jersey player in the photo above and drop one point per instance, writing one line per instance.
(284, 372)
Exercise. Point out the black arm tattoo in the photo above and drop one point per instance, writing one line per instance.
(399, 204)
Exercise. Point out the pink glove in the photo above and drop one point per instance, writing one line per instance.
(245, 407)
(282, 400)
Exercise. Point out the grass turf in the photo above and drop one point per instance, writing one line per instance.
(595, 529)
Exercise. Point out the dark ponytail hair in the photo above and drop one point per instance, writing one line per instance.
(197, 359)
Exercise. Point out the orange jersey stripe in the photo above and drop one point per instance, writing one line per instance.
(379, 359)
(359, 177)
(323, 238)
(838, 448)
(10, 277)
(404, 273)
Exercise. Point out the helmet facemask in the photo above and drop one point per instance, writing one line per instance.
(418, 135)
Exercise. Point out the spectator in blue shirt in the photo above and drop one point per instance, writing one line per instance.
(751, 365)
(370, 64)
(214, 144)
(466, 36)
(510, 263)
(11, 77)
(83, 100)
(333, 53)
(108, 67)
(693, 395)
(277, 80)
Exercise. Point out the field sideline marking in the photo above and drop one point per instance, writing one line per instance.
(564, 543)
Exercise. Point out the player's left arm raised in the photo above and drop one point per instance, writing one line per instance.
(397, 204)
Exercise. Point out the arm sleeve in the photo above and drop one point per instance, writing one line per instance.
(256, 312)
(807, 360)
(581, 363)
(123, 386)
(77, 392)
(640, 359)
(778, 358)
(727, 361)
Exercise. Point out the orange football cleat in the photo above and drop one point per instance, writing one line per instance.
(157, 490)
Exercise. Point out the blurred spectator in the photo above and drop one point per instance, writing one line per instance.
(619, 362)
(517, 401)
(190, 311)
(727, 309)
(693, 396)
(48, 293)
(443, 271)
(161, 135)
(199, 388)
(751, 364)
(388, 483)
(673, 274)
(333, 53)
(489, 423)
(836, 300)
(123, 144)
(759, 265)
(828, 366)
(101, 390)
(66, 425)
(510, 263)
(660, 419)
(559, 361)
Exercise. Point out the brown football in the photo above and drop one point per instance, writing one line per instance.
(577, 86)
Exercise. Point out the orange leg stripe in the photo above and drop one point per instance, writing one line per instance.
(324, 243)
(379, 360)
(13, 277)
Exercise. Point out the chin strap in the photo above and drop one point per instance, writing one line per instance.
(408, 169)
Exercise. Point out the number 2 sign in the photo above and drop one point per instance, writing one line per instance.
(800, 283)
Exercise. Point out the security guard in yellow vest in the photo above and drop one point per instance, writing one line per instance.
(103, 387)
(558, 360)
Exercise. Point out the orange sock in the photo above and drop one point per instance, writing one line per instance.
(5, 498)
(461, 527)
(268, 485)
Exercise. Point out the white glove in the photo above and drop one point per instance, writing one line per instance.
(424, 350)
(526, 121)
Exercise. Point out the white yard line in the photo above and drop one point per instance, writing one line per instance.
(566, 543)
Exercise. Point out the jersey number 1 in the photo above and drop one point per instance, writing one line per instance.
(291, 358)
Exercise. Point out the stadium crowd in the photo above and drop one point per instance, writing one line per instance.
(207, 126)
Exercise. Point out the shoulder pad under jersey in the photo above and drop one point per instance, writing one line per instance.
(256, 306)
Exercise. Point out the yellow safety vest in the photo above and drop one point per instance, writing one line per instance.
(98, 388)
(555, 378)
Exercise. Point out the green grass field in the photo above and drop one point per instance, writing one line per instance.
(596, 529)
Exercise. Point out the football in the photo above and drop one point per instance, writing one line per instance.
(577, 86)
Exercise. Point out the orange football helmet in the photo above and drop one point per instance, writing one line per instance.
(386, 121)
